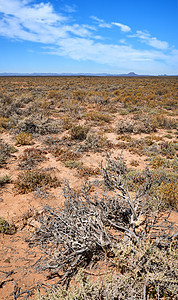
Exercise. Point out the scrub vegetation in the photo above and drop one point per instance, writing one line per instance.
(97, 158)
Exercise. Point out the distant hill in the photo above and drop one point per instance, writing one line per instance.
(68, 74)
(130, 74)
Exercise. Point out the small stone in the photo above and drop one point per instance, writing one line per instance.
(34, 223)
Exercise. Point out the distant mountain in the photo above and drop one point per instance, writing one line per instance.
(130, 74)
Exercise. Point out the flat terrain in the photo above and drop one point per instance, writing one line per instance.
(59, 129)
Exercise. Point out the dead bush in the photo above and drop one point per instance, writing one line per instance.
(41, 125)
(87, 226)
(135, 126)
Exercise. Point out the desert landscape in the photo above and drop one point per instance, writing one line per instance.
(88, 187)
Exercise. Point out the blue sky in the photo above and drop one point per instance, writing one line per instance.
(89, 36)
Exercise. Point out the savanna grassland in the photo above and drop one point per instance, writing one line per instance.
(88, 187)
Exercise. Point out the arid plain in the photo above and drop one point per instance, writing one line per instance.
(88, 193)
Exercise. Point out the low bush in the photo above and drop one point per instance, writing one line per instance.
(94, 142)
(168, 149)
(73, 164)
(97, 116)
(30, 180)
(5, 152)
(40, 125)
(6, 228)
(168, 192)
(31, 157)
(24, 138)
(4, 180)
(66, 122)
(135, 126)
(63, 154)
(4, 123)
(162, 121)
(78, 132)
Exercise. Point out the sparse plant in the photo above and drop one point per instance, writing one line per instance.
(66, 122)
(24, 138)
(94, 142)
(6, 228)
(4, 123)
(168, 192)
(97, 116)
(73, 164)
(30, 180)
(134, 163)
(63, 154)
(5, 152)
(31, 157)
(78, 132)
(4, 180)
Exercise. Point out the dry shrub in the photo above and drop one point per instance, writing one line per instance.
(86, 172)
(32, 179)
(6, 227)
(4, 180)
(30, 157)
(162, 121)
(157, 162)
(135, 126)
(66, 122)
(94, 142)
(168, 191)
(78, 132)
(97, 116)
(73, 164)
(168, 149)
(134, 163)
(5, 152)
(88, 228)
(79, 95)
(24, 138)
(41, 125)
(4, 123)
(64, 154)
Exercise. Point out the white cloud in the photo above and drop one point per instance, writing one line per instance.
(123, 27)
(101, 23)
(42, 12)
(122, 41)
(146, 38)
(69, 8)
